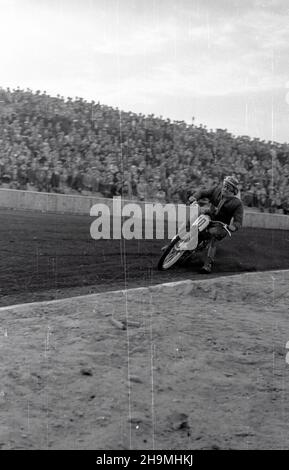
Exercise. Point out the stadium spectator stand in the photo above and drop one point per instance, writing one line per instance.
(73, 146)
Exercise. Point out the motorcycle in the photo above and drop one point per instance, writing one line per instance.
(188, 242)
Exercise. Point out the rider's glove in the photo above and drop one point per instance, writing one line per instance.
(192, 199)
(232, 228)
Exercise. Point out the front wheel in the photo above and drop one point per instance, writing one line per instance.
(171, 254)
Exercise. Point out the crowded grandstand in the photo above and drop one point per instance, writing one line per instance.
(72, 146)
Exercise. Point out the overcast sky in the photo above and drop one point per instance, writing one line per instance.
(225, 62)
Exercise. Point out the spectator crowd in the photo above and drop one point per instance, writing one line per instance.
(72, 146)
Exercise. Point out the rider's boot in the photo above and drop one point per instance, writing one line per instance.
(208, 264)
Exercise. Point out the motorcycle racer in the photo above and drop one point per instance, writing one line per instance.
(225, 207)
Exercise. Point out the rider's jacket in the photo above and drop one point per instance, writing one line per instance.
(223, 210)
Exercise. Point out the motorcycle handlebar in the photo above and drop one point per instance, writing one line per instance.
(225, 226)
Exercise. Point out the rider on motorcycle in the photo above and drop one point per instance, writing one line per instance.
(225, 207)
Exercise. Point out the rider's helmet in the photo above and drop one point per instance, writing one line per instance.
(231, 184)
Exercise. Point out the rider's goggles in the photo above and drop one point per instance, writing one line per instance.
(229, 187)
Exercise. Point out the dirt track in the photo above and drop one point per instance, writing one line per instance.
(51, 256)
(201, 367)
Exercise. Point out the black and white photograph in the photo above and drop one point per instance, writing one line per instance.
(144, 227)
